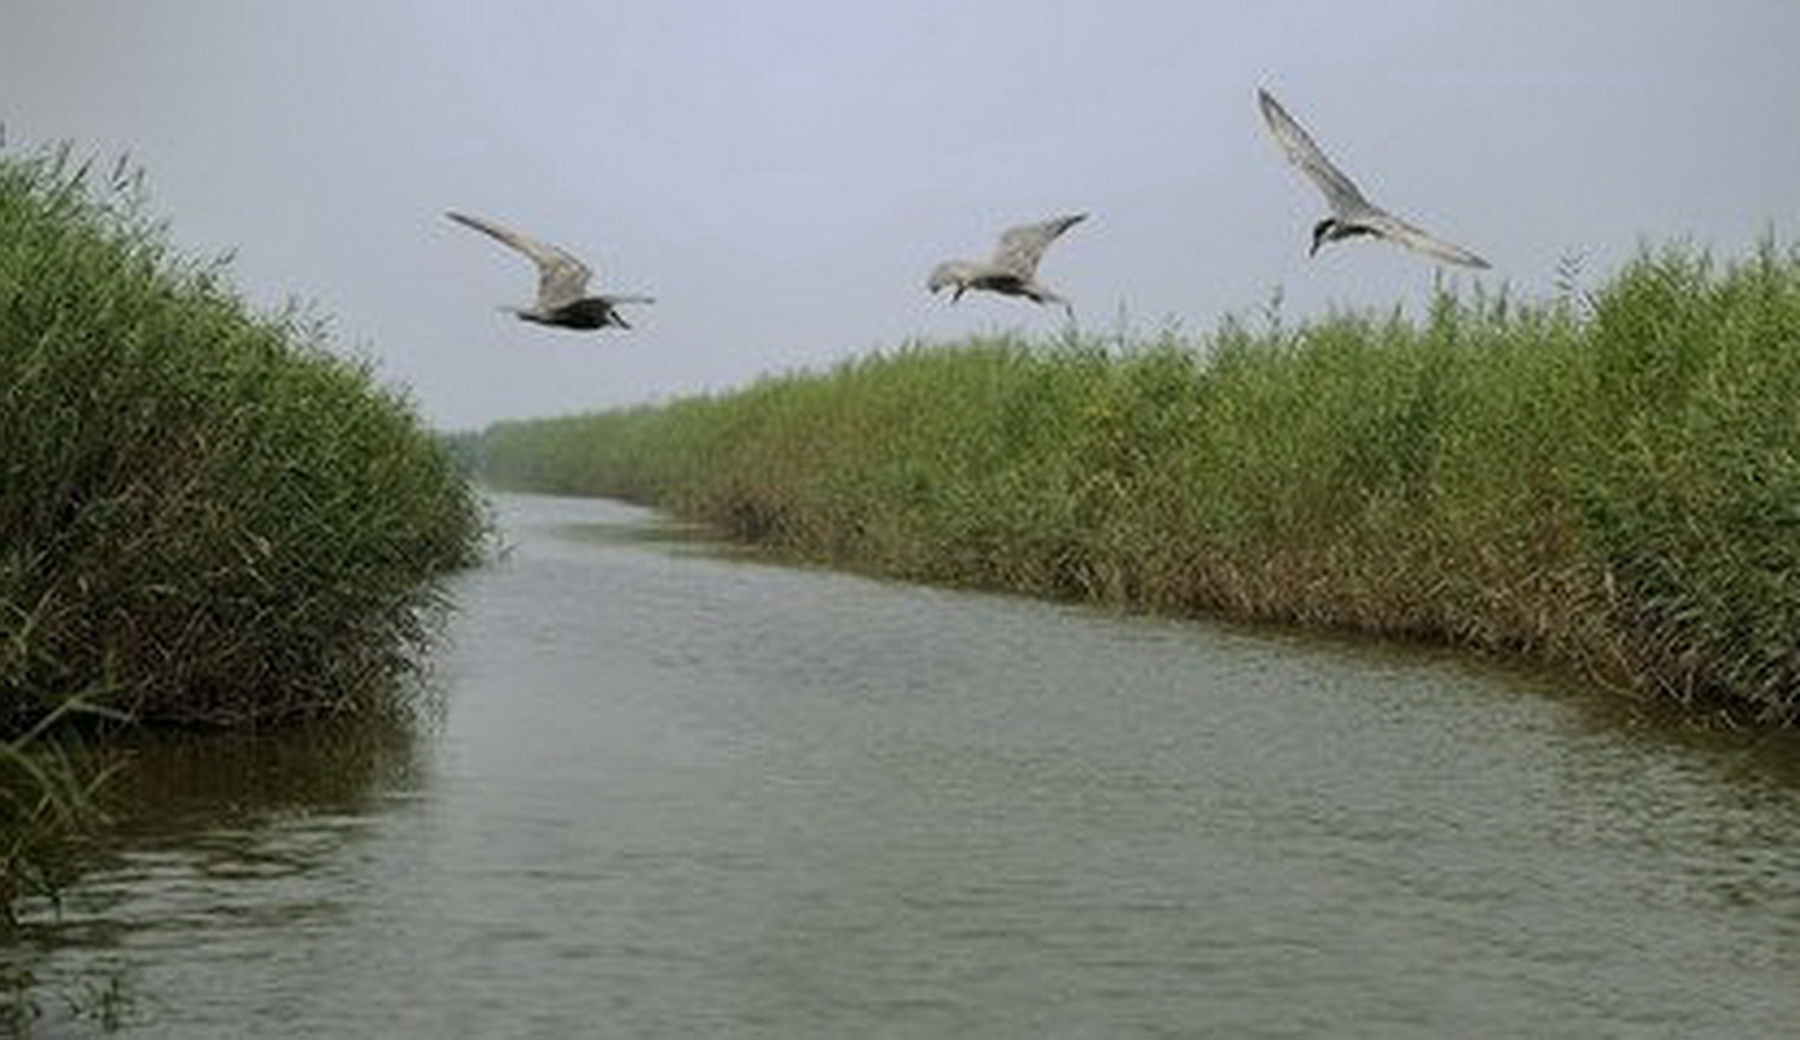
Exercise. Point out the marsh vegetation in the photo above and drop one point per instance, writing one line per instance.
(1609, 481)
(207, 517)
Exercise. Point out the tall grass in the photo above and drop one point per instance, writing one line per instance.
(46, 802)
(205, 516)
(1611, 483)
(203, 512)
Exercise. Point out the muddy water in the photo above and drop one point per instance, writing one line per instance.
(678, 793)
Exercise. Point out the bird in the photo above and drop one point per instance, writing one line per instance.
(1351, 213)
(562, 298)
(1013, 269)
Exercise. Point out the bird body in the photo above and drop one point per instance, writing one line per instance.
(562, 298)
(1013, 269)
(1352, 214)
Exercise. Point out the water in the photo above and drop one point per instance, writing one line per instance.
(680, 793)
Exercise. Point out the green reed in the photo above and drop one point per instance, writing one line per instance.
(202, 509)
(206, 517)
(1609, 482)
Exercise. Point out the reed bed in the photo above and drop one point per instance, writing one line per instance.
(1606, 481)
(206, 517)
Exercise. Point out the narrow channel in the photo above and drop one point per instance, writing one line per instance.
(675, 791)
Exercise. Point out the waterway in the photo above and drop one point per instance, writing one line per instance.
(673, 791)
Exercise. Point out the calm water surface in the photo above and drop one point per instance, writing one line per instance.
(676, 793)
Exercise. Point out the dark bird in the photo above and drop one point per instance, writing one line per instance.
(1013, 269)
(1351, 213)
(562, 283)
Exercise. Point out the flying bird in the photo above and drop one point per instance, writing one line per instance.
(1351, 213)
(1013, 269)
(562, 298)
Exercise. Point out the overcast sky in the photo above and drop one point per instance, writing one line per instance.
(782, 175)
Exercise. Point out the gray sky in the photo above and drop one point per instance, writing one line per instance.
(782, 175)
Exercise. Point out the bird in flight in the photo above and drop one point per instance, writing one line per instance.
(1013, 269)
(562, 283)
(1351, 213)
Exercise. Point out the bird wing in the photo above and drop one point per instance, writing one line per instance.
(561, 277)
(1394, 229)
(1022, 247)
(1340, 192)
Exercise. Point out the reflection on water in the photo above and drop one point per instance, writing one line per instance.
(677, 793)
(208, 831)
(171, 782)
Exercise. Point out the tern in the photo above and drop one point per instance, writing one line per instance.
(1351, 213)
(1013, 269)
(562, 298)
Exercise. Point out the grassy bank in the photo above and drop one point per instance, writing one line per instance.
(1611, 483)
(205, 516)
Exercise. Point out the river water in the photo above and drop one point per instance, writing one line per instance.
(676, 792)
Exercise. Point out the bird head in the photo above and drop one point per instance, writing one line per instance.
(947, 274)
(1322, 233)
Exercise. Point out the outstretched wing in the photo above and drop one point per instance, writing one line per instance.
(1394, 229)
(1022, 247)
(1341, 194)
(562, 279)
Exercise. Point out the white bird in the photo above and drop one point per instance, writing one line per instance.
(1013, 269)
(562, 298)
(1351, 213)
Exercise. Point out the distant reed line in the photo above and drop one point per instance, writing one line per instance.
(1609, 481)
